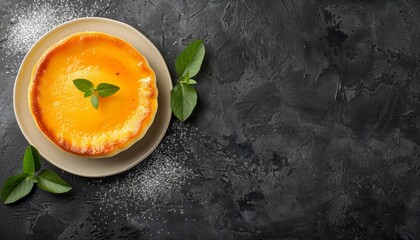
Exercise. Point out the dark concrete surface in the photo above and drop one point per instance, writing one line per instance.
(306, 126)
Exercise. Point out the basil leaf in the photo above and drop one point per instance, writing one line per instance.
(186, 76)
(89, 92)
(191, 81)
(16, 187)
(183, 100)
(31, 161)
(83, 85)
(190, 59)
(51, 182)
(106, 89)
(94, 101)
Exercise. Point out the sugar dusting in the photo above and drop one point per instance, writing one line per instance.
(32, 20)
(152, 186)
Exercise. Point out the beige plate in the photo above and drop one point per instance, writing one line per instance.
(69, 162)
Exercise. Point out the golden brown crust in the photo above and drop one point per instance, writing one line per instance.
(109, 149)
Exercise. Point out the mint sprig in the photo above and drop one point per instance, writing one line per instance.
(16, 187)
(187, 65)
(102, 90)
(49, 181)
(20, 185)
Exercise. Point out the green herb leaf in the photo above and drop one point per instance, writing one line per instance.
(183, 100)
(31, 161)
(106, 89)
(16, 187)
(190, 59)
(94, 101)
(34, 178)
(191, 81)
(184, 95)
(185, 77)
(103, 90)
(89, 92)
(51, 182)
(83, 85)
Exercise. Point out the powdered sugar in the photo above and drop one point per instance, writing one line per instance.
(34, 19)
(152, 186)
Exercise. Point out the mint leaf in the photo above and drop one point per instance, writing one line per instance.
(186, 76)
(94, 101)
(106, 89)
(190, 59)
(191, 81)
(16, 187)
(183, 100)
(51, 182)
(103, 90)
(184, 95)
(31, 162)
(89, 92)
(83, 85)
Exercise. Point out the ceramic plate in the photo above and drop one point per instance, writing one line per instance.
(85, 166)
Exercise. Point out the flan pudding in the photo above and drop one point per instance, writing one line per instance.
(68, 119)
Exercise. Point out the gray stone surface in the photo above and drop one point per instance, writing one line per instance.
(306, 126)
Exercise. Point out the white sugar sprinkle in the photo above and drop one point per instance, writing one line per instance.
(32, 20)
(151, 187)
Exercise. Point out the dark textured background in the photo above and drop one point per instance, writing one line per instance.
(306, 126)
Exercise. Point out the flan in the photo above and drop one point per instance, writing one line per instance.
(68, 119)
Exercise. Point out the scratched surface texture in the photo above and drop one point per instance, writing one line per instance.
(306, 126)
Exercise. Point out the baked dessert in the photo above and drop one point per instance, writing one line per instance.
(68, 119)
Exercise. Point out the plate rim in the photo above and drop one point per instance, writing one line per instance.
(124, 26)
